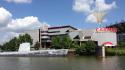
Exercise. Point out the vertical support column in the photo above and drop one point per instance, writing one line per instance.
(103, 51)
(40, 38)
(80, 43)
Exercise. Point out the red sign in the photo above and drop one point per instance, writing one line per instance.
(108, 44)
(106, 30)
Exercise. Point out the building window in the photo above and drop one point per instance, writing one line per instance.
(44, 35)
(87, 37)
(54, 32)
(121, 37)
(44, 31)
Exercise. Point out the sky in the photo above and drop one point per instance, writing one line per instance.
(19, 15)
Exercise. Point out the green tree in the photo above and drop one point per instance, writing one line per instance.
(59, 42)
(37, 45)
(66, 42)
(56, 42)
(13, 44)
(87, 48)
(121, 43)
(80, 50)
(25, 38)
(90, 47)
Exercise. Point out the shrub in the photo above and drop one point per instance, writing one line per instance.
(62, 42)
(121, 43)
(80, 50)
(37, 46)
(87, 48)
(115, 51)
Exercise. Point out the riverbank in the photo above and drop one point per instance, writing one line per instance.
(109, 52)
(70, 52)
(49, 52)
(115, 51)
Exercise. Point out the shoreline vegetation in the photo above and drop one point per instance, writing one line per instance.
(115, 51)
(88, 48)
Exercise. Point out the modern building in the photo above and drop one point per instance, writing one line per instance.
(121, 37)
(99, 35)
(121, 30)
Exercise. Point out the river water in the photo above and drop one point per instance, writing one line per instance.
(62, 63)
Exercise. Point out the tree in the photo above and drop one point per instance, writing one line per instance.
(87, 48)
(59, 42)
(90, 47)
(56, 42)
(13, 44)
(0, 47)
(121, 43)
(66, 42)
(80, 49)
(25, 38)
(37, 45)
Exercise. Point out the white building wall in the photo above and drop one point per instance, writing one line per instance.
(95, 36)
(73, 34)
(105, 37)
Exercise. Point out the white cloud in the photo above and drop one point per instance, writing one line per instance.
(6, 36)
(5, 17)
(83, 5)
(25, 23)
(19, 1)
(91, 18)
(88, 7)
(10, 27)
(102, 6)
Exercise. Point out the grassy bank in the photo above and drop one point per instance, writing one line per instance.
(115, 51)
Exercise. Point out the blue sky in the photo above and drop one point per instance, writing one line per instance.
(20, 15)
(60, 12)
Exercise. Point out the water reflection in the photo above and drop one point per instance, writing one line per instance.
(23, 63)
(62, 63)
(110, 63)
(121, 63)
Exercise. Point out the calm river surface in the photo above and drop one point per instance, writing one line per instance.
(62, 63)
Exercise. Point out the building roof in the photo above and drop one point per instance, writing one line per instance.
(68, 26)
(76, 37)
(120, 27)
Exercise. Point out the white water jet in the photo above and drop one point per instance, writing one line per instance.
(24, 47)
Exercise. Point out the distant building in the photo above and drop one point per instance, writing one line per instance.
(44, 35)
(121, 30)
(121, 37)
